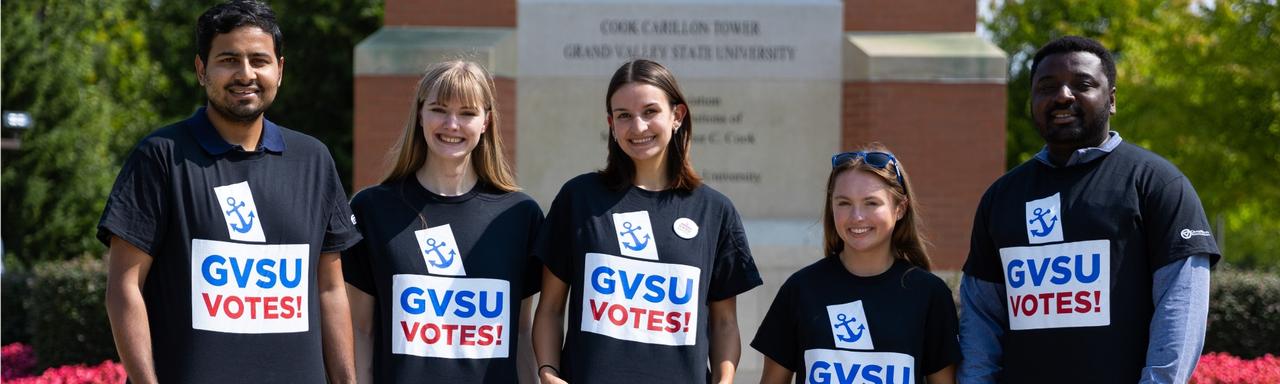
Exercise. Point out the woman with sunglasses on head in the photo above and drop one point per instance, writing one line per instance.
(647, 258)
(439, 286)
(870, 310)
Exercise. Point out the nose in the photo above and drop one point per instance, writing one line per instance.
(245, 72)
(1064, 95)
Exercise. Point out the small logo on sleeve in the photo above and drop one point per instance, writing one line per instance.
(1044, 220)
(440, 251)
(849, 326)
(635, 235)
(1187, 234)
(240, 212)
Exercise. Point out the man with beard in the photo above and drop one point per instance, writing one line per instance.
(225, 230)
(1089, 263)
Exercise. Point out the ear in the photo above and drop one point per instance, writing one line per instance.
(1113, 100)
(900, 210)
(280, 77)
(199, 64)
(679, 112)
(608, 118)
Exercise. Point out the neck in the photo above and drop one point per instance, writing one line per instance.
(652, 175)
(447, 177)
(245, 134)
(870, 263)
(1060, 154)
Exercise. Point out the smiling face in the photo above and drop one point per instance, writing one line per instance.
(242, 75)
(864, 212)
(1072, 101)
(642, 121)
(451, 128)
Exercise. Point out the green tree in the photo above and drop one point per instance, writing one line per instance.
(1195, 84)
(82, 71)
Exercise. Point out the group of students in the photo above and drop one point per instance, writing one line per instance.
(231, 239)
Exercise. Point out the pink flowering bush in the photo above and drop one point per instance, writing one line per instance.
(16, 360)
(1223, 368)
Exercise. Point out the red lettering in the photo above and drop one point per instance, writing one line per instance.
(448, 333)
(655, 321)
(435, 330)
(468, 335)
(239, 307)
(1064, 302)
(409, 333)
(1097, 301)
(597, 311)
(617, 309)
(212, 307)
(498, 335)
(639, 314)
(486, 338)
(1083, 305)
(673, 322)
(1044, 299)
(269, 307)
(253, 305)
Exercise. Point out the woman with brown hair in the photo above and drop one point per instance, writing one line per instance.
(439, 285)
(647, 258)
(869, 311)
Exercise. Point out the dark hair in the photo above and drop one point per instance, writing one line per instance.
(226, 17)
(1068, 44)
(620, 171)
(907, 241)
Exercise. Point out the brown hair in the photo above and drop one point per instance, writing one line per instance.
(907, 241)
(470, 84)
(620, 171)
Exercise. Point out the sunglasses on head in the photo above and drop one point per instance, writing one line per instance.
(876, 159)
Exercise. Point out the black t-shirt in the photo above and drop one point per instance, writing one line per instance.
(642, 267)
(837, 327)
(1075, 248)
(448, 275)
(234, 239)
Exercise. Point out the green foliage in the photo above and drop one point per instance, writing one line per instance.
(81, 70)
(1196, 85)
(1243, 308)
(14, 326)
(68, 313)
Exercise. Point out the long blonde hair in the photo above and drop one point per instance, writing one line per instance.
(470, 84)
(907, 241)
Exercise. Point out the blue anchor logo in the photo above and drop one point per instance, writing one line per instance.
(849, 335)
(636, 244)
(244, 226)
(443, 263)
(1045, 228)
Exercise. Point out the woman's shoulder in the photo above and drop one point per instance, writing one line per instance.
(916, 276)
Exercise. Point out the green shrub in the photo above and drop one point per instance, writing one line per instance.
(14, 327)
(1244, 313)
(68, 314)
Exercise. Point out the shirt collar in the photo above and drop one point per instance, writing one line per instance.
(214, 144)
(1083, 155)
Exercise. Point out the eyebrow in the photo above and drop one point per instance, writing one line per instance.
(626, 110)
(238, 54)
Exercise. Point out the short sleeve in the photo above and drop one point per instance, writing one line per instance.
(533, 266)
(776, 338)
(340, 231)
(137, 208)
(357, 262)
(941, 343)
(734, 271)
(555, 238)
(1176, 226)
(982, 262)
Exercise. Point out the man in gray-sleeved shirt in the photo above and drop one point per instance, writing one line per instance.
(1089, 263)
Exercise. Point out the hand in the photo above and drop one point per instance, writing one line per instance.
(550, 376)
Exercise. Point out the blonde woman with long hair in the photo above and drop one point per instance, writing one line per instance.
(439, 287)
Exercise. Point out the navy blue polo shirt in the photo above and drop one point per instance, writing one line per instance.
(234, 237)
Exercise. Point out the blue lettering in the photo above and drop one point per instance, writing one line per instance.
(1083, 278)
(816, 377)
(468, 308)
(440, 305)
(1037, 274)
(603, 286)
(413, 306)
(208, 270)
(497, 304)
(847, 377)
(266, 279)
(654, 283)
(869, 373)
(629, 288)
(688, 291)
(1061, 270)
(242, 276)
(297, 273)
(1014, 273)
